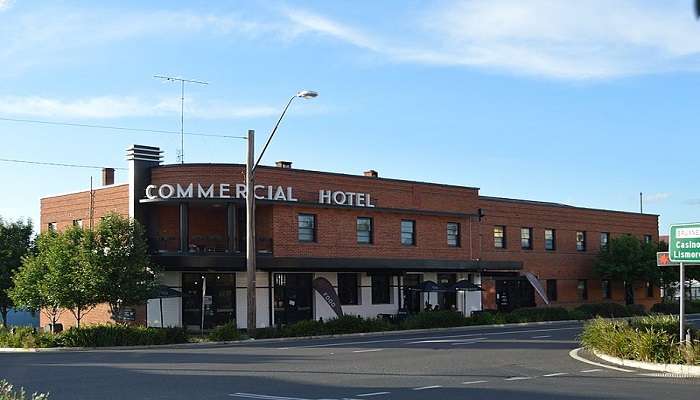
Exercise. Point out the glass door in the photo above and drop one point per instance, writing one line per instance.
(293, 298)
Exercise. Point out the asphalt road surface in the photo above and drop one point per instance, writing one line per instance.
(517, 362)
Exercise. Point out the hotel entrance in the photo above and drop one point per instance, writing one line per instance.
(293, 298)
(219, 299)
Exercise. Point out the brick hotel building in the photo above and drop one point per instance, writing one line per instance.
(373, 238)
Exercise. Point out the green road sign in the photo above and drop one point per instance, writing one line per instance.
(684, 243)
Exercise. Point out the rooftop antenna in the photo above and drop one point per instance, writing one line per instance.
(641, 203)
(182, 81)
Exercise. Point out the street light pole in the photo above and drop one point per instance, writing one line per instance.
(251, 252)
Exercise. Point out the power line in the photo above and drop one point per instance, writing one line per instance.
(53, 164)
(120, 128)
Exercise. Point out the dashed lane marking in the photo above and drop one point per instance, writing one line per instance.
(366, 351)
(427, 387)
(453, 341)
(518, 378)
(263, 396)
(555, 374)
(591, 370)
(473, 382)
(372, 394)
(541, 336)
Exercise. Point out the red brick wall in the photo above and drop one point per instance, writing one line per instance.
(64, 209)
(98, 315)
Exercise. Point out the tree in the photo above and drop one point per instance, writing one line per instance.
(30, 291)
(121, 264)
(628, 259)
(15, 243)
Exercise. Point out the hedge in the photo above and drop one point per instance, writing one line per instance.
(651, 339)
(106, 335)
(691, 307)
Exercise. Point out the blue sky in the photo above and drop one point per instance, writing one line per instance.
(586, 104)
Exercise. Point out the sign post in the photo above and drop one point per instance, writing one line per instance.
(684, 248)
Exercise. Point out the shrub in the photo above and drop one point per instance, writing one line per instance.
(691, 307)
(226, 332)
(434, 319)
(108, 335)
(8, 392)
(304, 328)
(267, 333)
(609, 310)
(356, 324)
(535, 314)
(25, 337)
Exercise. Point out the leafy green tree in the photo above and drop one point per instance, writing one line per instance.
(628, 259)
(30, 290)
(15, 243)
(121, 264)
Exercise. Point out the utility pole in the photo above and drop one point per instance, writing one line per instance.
(250, 237)
(182, 108)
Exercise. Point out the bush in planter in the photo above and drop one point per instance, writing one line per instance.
(226, 332)
(434, 319)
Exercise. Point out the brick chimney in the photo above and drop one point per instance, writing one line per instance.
(107, 176)
(284, 164)
(372, 173)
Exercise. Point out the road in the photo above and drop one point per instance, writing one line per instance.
(516, 362)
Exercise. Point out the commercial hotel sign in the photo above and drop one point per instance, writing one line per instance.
(261, 192)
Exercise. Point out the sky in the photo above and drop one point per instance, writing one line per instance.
(586, 103)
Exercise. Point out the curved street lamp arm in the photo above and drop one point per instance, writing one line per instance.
(273, 132)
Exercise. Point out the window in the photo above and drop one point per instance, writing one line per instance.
(307, 228)
(606, 288)
(408, 233)
(364, 230)
(647, 238)
(550, 240)
(381, 289)
(581, 241)
(52, 226)
(499, 237)
(604, 240)
(552, 289)
(526, 238)
(582, 289)
(453, 237)
(348, 289)
(78, 223)
(650, 289)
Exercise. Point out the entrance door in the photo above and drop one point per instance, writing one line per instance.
(412, 299)
(514, 293)
(222, 290)
(447, 300)
(293, 295)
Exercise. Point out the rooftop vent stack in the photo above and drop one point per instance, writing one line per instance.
(284, 164)
(372, 173)
(141, 159)
(107, 176)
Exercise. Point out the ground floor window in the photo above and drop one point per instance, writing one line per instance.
(606, 289)
(381, 289)
(582, 289)
(216, 291)
(552, 289)
(348, 289)
(650, 289)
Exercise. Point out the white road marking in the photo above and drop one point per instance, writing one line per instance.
(413, 339)
(574, 354)
(453, 341)
(263, 396)
(592, 370)
(541, 336)
(283, 348)
(473, 382)
(427, 387)
(556, 374)
(518, 378)
(367, 351)
(372, 394)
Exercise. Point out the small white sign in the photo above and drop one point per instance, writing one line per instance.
(207, 300)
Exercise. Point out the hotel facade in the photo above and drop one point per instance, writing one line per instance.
(376, 240)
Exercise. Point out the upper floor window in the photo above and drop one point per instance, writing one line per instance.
(550, 240)
(604, 240)
(364, 230)
(307, 228)
(499, 237)
(453, 235)
(581, 241)
(408, 232)
(647, 238)
(52, 226)
(78, 223)
(526, 238)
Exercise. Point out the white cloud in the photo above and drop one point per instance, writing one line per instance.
(656, 197)
(106, 107)
(5, 4)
